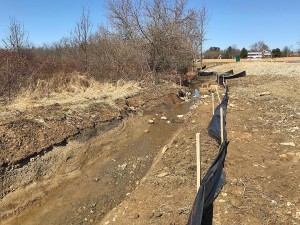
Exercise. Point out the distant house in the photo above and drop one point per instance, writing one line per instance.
(259, 55)
(254, 55)
(267, 54)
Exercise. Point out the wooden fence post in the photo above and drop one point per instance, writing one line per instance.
(221, 124)
(213, 103)
(198, 158)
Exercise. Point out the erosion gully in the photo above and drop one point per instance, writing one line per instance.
(115, 161)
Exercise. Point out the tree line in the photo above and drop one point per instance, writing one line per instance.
(260, 46)
(145, 39)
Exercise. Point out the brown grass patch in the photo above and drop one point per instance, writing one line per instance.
(73, 89)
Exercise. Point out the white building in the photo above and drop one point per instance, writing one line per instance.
(255, 55)
(259, 55)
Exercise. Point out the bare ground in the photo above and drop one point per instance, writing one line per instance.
(140, 173)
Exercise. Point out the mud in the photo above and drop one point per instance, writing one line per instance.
(97, 165)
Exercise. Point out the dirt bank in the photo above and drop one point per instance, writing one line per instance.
(44, 147)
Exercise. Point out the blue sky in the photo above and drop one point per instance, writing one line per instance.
(242, 22)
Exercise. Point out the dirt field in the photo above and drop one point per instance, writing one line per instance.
(281, 59)
(107, 164)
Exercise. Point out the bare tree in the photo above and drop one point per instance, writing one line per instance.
(16, 43)
(80, 37)
(167, 30)
(17, 38)
(287, 51)
(259, 46)
(202, 23)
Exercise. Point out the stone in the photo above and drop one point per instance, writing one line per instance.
(288, 144)
(288, 204)
(165, 148)
(158, 214)
(179, 116)
(163, 118)
(264, 93)
(298, 214)
(151, 121)
(133, 109)
(273, 202)
(283, 156)
(163, 174)
(122, 167)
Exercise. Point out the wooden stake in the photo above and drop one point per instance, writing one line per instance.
(221, 125)
(213, 103)
(198, 158)
(218, 94)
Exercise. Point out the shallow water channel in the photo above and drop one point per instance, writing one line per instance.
(100, 170)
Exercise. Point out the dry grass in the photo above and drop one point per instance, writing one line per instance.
(74, 90)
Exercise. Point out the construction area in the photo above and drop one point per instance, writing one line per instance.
(94, 153)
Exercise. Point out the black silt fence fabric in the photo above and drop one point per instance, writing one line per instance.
(212, 179)
(214, 128)
(222, 77)
(197, 210)
(226, 74)
(229, 72)
(241, 74)
(204, 73)
(210, 187)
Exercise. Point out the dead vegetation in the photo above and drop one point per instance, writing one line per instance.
(73, 90)
(148, 40)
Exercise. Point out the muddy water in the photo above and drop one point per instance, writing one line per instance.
(114, 163)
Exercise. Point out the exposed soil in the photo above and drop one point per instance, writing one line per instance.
(107, 165)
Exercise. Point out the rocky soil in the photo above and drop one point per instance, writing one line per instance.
(262, 164)
(141, 172)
